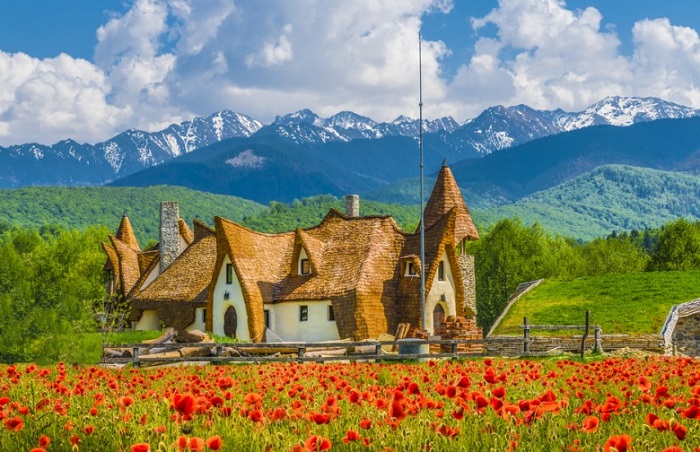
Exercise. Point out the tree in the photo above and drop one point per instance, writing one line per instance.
(678, 247)
(511, 253)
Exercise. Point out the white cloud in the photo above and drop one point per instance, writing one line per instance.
(548, 56)
(166, 60)
(52, 99)
(274, 52)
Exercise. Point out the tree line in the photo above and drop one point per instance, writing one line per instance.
(510, 253)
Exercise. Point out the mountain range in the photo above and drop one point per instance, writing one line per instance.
(305, 133)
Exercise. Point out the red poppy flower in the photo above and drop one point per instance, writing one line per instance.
(89, 430)
(44, 441)
(37, 449)
(499, 392)
(14, 424)
(185, 404)
(196, 444)
(590, 424)
(672, 449)
(141, 447)
(366, 423)
(679, 430)
(214, 442)
(252, 398)
(618, 443)
(320, 418)
(315, 443)
(351, 435)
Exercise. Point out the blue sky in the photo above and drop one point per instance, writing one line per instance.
(87, 69)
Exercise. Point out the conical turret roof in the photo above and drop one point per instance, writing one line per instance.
(125, 233)
(445, 196)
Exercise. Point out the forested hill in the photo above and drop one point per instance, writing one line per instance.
(81, 207)
(609, 198)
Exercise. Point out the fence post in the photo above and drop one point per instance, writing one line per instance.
(585, 334)
(526, 336)
(454, 349)
(598, 347)
(300, 353)
(218, 350)
(137, 363)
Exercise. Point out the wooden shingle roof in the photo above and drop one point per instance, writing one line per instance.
(184, 285)
(446, 195)
(356, 264)
(125, 233)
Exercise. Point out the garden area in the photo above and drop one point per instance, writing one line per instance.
(609, 404)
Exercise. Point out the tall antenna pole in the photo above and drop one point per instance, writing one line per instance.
(422, 219)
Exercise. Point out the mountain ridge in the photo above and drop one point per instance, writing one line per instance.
(70, 163)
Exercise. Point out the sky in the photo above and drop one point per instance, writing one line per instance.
(89, 69)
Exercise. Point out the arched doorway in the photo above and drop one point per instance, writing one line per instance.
(438, 316)
(230, 322)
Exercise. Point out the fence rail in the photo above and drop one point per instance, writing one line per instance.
(380, 350)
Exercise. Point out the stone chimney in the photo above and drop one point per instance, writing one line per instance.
(468, 270)
(169, 233)
(352, 206)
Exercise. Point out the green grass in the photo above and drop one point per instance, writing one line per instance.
(633, 303)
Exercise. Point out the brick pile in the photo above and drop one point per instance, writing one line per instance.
(460, 328)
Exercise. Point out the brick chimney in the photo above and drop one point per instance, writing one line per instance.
(169, 233)
(352, 206)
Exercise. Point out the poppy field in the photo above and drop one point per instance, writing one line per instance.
(611, 404)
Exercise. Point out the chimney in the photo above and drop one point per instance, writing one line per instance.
(169, 233)
(352, 206)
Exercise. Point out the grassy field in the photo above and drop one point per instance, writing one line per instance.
(633, 303)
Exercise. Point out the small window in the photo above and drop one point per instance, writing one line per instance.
(411, 269)
(331, 314)
(305, 267)
(267, 318)
(441, 271)
(303, 313)
(204, 315)
(229, 273)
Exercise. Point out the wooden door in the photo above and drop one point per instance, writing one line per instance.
(438, 317)
(230, 322)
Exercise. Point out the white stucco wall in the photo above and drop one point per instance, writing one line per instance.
(302, 255)
(199, 323)
(219, 304)
(151, 276)
(446, 287)
(149, 321)
(284, 321)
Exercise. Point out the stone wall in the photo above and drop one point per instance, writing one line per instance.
(686, 336)
(468, 271)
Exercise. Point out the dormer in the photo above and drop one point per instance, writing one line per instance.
(410, 265)
(305, 255)
(304, 263)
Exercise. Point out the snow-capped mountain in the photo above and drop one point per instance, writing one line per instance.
(70, 163)
(502, 127)
(305, 127)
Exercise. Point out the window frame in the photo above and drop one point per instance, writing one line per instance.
(229, 273)
(331, 313)
(411, 269)
(304, 313)
(304, 266)
(204, 315)
(441, 271)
